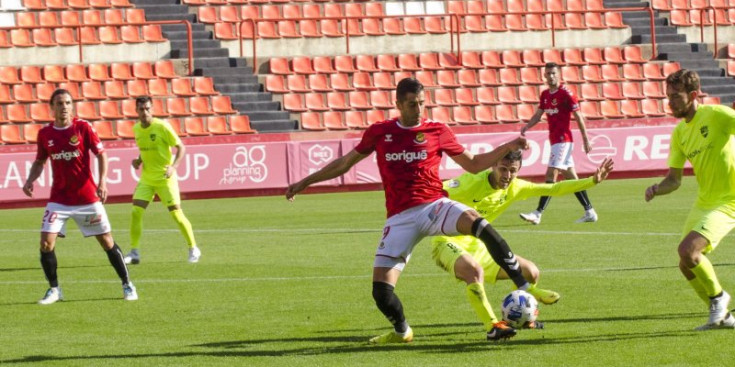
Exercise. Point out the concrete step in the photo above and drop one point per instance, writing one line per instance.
(245, 79)
(243, 76)
(705, 72)
(699, 63)
(681, 47)
(226, 85)
(197, 43)
(624, 4)
(181, 28)
(183, 35)
(662, 38)
(165, 9)
(716, 80)
(200, 52)
(168, 16)
(210, 62)
(274, 126)
(660, 31)
(681, 56)
(643, 21)
(266, 115)
(238, 96)
(256, 106)
(717, 90)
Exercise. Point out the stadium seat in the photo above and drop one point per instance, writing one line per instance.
(311, 121)
(5, 96)
(131, 34)
(444, 97)
(506, 114)
(573, 56)
(16, 113)
(321, 65)
(92, 90)
(21, 38)
(670, 67)
(355, 120)
(87, 111)
(611, 72)
(73, 89)
(373, 116)
(41, 112)
(319, 83)
(680, 18)
(383, 81)
(158, 88)
(512, 58)
(97, 72)
(611, 91)
(485, 115)
(653, 89)
(43, 37)
(532, 58)
(652, 108)
(594, 21)
(471, 60)
(381, 99)
(30, 132)
(593, 56)
(528, 94)
(613, 55)
(408, 62)
(217, 125)
(531, 75)
(387, 63)
(632, 90)
(115, 89)
(165, 69)
(631, 109)
(652, 71)
(468, 78)
(121, 71)
(365, 63)
(552, 55)
(10, 134)
(446, 78)
(526, 111)
(200, 106)
(340, 82)
(296, 82)
(222, 105)
(463, 115)
(590, 110)
(23, 93)
(240, 124)
(204, 86)
(633, 54)
(128, 107)
(177, 107)
(633, 72)
(465, 97)
(509, 76)
(590, 92)
(299, 65)
(610, 109)
(109, 110)
(442, 114)
(495, 23)
(152, 33)
(194, 126)
(344, 64)
(334, 120)
(574, 21)
(426, 78)
(181, 87)
(614, 19)
(711, 100)
(486, 96)
(362, 81)
(359, 100)
(109, 35)
(143, 70)
(507, 95)
(337, 101)
(592, 73)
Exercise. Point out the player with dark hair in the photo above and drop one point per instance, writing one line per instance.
(409, 150)
(154, 139)
(68, 142)
(559, 104)
(491, 192)
(704, 137)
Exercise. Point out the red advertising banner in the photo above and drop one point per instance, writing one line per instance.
(246, 166)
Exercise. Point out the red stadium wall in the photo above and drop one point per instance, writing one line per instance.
(264, 164)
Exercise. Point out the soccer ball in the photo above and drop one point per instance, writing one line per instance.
(519, 307)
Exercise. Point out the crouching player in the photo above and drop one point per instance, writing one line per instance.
(490, 193)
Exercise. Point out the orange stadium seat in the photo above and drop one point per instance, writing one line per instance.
(525, 111)
(217, 125)
(355, 120)
(442, 114)
(633, 72)
(593, 55)
(633, 54)
(611, 109)
(590, 110)
(222, 105)
(383, 81)
(468, 78)
(334, 120)
(592, 73)
(31, 74)
(337, 101)
(30, 132)
(143, 70)
(204, 86)
(92, 90)
(152, 33)
(240, 124)
(302, 65)
(86, 110)
(594, 21)
(365, 63)
(506, 114)
(54, 74)
(590, 92)
(426, 78)
(41, 112)
(509, 76)
(279, 65)
(465, 97)
(21, 38)
(444, 97)
(65, 36)
(463, 115)
(319, 83)
(340, 82)
(136, 88)
(79, 4)
(359, 100)
(275, 83)
(128, 108)
(508, 95)
(573, 56)
(614, 19)
(322, 65)
(97, 72)
(489, 77)
(115, 89)
(428, 61)
(612, 91)
(613, 55)
(194, 126)
(43, 37)
(158, 87)
(344, 64)
(611, 73)
(5, 39)
(531, 75)
(362, 81)
(574, 21)
(485, 115)
(177, 107)
(110, 110)
(92, 17)
(552, 55)
(165, 69)
(311, 121)
(408, 62)
(35, 4)
(631, 108)
(10, 134)
(381, 99)
(315, 102)
(124, 129)
(200, 106)
(5, 96)
(446, 78)
(528, 94)
(632, 90)
(73, 89)
(653, 89)
(387, 63)
(181, 87)
(670, 67)
(495, 23)
(130, 34)
(9, 75)
(16, 113)
(651, 107)
(121, 71)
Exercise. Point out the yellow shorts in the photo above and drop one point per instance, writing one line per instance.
(446, 250)
(713, 224)
(167, 191)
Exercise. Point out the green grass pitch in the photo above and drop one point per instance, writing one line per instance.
(288, 284)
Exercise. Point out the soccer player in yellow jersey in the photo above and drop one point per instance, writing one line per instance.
(155, 138)
(704, 138)
(490, 193)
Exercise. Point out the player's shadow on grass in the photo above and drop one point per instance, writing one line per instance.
(115, 299)
(668, 316)
(4, 270)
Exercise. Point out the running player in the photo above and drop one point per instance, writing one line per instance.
(68, 142)
(490, 193)
(560, 104)
(704, 138)
(154, 139)
(409, 150)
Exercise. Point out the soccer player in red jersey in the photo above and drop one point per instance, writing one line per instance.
(68, 142)
(409, 150)
(560, 104)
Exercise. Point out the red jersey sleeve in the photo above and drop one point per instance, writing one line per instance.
(41, 153)
(92, 140)
(369, 138)
(448, 142)
(571, 100)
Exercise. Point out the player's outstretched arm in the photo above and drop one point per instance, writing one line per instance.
(335, 168)
(603, 170)
(33, 175)
(478, 163)
(669, 184)
(583, 131)
(533, 121)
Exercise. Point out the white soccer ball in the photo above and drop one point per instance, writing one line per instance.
(519, 307)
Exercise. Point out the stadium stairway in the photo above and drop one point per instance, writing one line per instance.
(232, 76)
(672, 46)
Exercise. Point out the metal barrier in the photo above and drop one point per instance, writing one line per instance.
(79, 27)
(714, 24)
